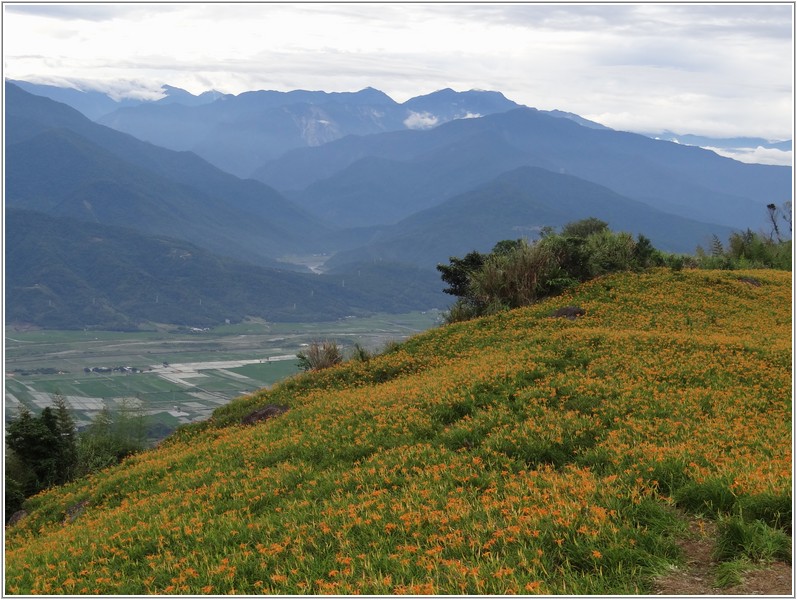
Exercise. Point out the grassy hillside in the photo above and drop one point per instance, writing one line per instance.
(516, 453)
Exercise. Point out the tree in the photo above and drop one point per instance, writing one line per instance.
(517, 273)
(129, 428)
(66, 460)
(111, 436)
(609, 252)
(33, 440)
(457, 273)
(772, 211)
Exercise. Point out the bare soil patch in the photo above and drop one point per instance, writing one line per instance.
(697, 576)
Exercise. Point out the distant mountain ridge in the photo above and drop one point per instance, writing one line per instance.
(233, 139)
(725, 142)
(519, 204)
(681, 180)
(240, 133)
(95, 104)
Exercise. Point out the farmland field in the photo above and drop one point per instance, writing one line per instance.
(177, 376)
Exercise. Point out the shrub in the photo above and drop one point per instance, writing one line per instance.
(608, 252)
(360, 353)
(517, 273)
(461, 310)
(320, 355)
(746, 250)
(585, 228)
(14, 497)
(513, 278)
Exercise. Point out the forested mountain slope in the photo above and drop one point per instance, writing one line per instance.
(67, 274)
(60, 162)
(518, 453)
(520, 204)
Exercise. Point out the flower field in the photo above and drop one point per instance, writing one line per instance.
(514, 454)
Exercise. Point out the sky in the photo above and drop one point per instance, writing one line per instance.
(720, 70)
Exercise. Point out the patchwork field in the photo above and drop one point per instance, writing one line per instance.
(176, 376)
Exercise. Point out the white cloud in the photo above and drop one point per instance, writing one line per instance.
(719, 68)
(420, 120)
(759, 155)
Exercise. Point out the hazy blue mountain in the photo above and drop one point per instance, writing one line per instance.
(518, 204)
(244, 143)
(446, 105)
(60, 162)
(90, 103)
(682, 180)
(376, 190)
(175, 95)
(95, 104)
(240, 133)
(67, 274)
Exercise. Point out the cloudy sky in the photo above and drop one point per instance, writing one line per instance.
(711, 69)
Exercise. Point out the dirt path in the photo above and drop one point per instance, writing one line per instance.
(696, 578)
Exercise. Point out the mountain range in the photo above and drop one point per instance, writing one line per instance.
(387, 190)
(521, 203)
(61, 163)
(95, 104)
(682, 180)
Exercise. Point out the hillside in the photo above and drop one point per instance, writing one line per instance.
(60, 162)
(67, 274)
(519, 204)
(514, 454)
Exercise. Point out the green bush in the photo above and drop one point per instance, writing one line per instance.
(774, 510)
(512, 278)
(14, 496)
(518, 273)
(360, 354)
(746, 250)
(320, 355)
(609, 252)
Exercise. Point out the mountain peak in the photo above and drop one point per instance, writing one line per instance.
(176, 95)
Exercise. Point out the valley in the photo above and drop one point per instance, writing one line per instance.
(175, 375)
